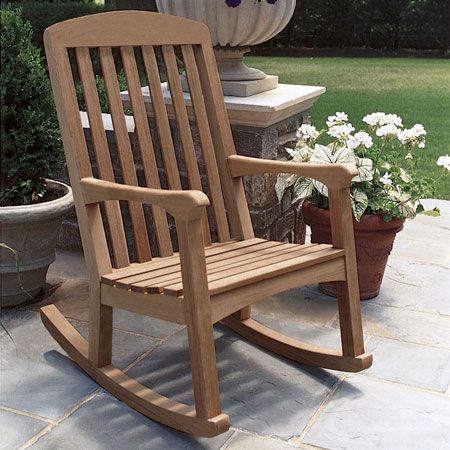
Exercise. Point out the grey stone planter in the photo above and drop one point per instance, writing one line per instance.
(31, 230)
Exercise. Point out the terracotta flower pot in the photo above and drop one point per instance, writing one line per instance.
(374, 239)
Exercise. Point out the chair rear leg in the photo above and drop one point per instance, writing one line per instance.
(100, 329)
(244, 313)
(350, 318)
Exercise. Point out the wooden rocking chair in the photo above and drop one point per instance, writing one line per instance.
(221, 268)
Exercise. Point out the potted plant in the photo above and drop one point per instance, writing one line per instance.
(234, 26)
(31, 205)
(386, 191)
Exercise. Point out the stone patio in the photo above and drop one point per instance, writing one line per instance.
(402, 402)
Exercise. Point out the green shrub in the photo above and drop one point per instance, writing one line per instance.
(31, 147)
(101, 89)
(42, 14)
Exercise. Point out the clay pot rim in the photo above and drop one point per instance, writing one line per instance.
(369, 222)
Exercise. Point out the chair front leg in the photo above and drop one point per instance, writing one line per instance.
(198, 319)
(348, 291)
(100, 328)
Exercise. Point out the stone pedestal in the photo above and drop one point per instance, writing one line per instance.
(262, 125)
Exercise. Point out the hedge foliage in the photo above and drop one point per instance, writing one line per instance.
(44, 13)
(379, 24)
(31, 147)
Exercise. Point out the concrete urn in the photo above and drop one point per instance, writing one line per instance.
(233, 30)
(32, 231)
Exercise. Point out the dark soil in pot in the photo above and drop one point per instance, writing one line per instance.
(374, 239)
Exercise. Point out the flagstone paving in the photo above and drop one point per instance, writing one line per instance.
(401, 402)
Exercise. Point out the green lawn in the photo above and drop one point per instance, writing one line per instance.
(416, 89)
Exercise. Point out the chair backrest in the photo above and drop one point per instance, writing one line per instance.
(147, 47)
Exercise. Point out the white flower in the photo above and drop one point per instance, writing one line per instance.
(338, 119)
(307, 132)
(386, 179)
(392, 119)
(359, 139)
(379, 119)
(388, 130)
(444, 161)
(341, 132)
(419, 130)
(413, 136)
(374, 119)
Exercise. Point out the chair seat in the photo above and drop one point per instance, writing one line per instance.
(229, 265)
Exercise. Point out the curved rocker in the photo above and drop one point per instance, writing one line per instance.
(296, 350)
(147, 402)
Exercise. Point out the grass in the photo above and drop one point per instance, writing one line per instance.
(418, 90)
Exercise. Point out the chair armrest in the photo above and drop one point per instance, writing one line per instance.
(183, 205)
(334, 176)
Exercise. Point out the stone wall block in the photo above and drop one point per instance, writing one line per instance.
(260, 190)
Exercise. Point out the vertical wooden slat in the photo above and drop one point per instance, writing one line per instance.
(141, 241)
(102, 155)
(198, 102)
(146, 147)
(233, 189)
(181, 117)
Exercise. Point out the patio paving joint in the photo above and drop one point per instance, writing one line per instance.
(230, 439)
(26, 414)
(322, 406)
(54, 423)
(151, 350)
(257, 435)
(332, 320)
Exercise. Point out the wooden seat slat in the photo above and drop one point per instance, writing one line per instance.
(219, 269)
(228, 262)
(158, 263)
(223, 257)
(279, 264)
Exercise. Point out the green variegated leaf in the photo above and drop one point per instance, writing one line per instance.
(290, 151)
(322, 155)
(407, 209)
(284, 181)
(344, 156)
(404, 204)
(359, 203)
(321, 188)
(404, 176)
(365, 170)
(303, 154)
(303, 188)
